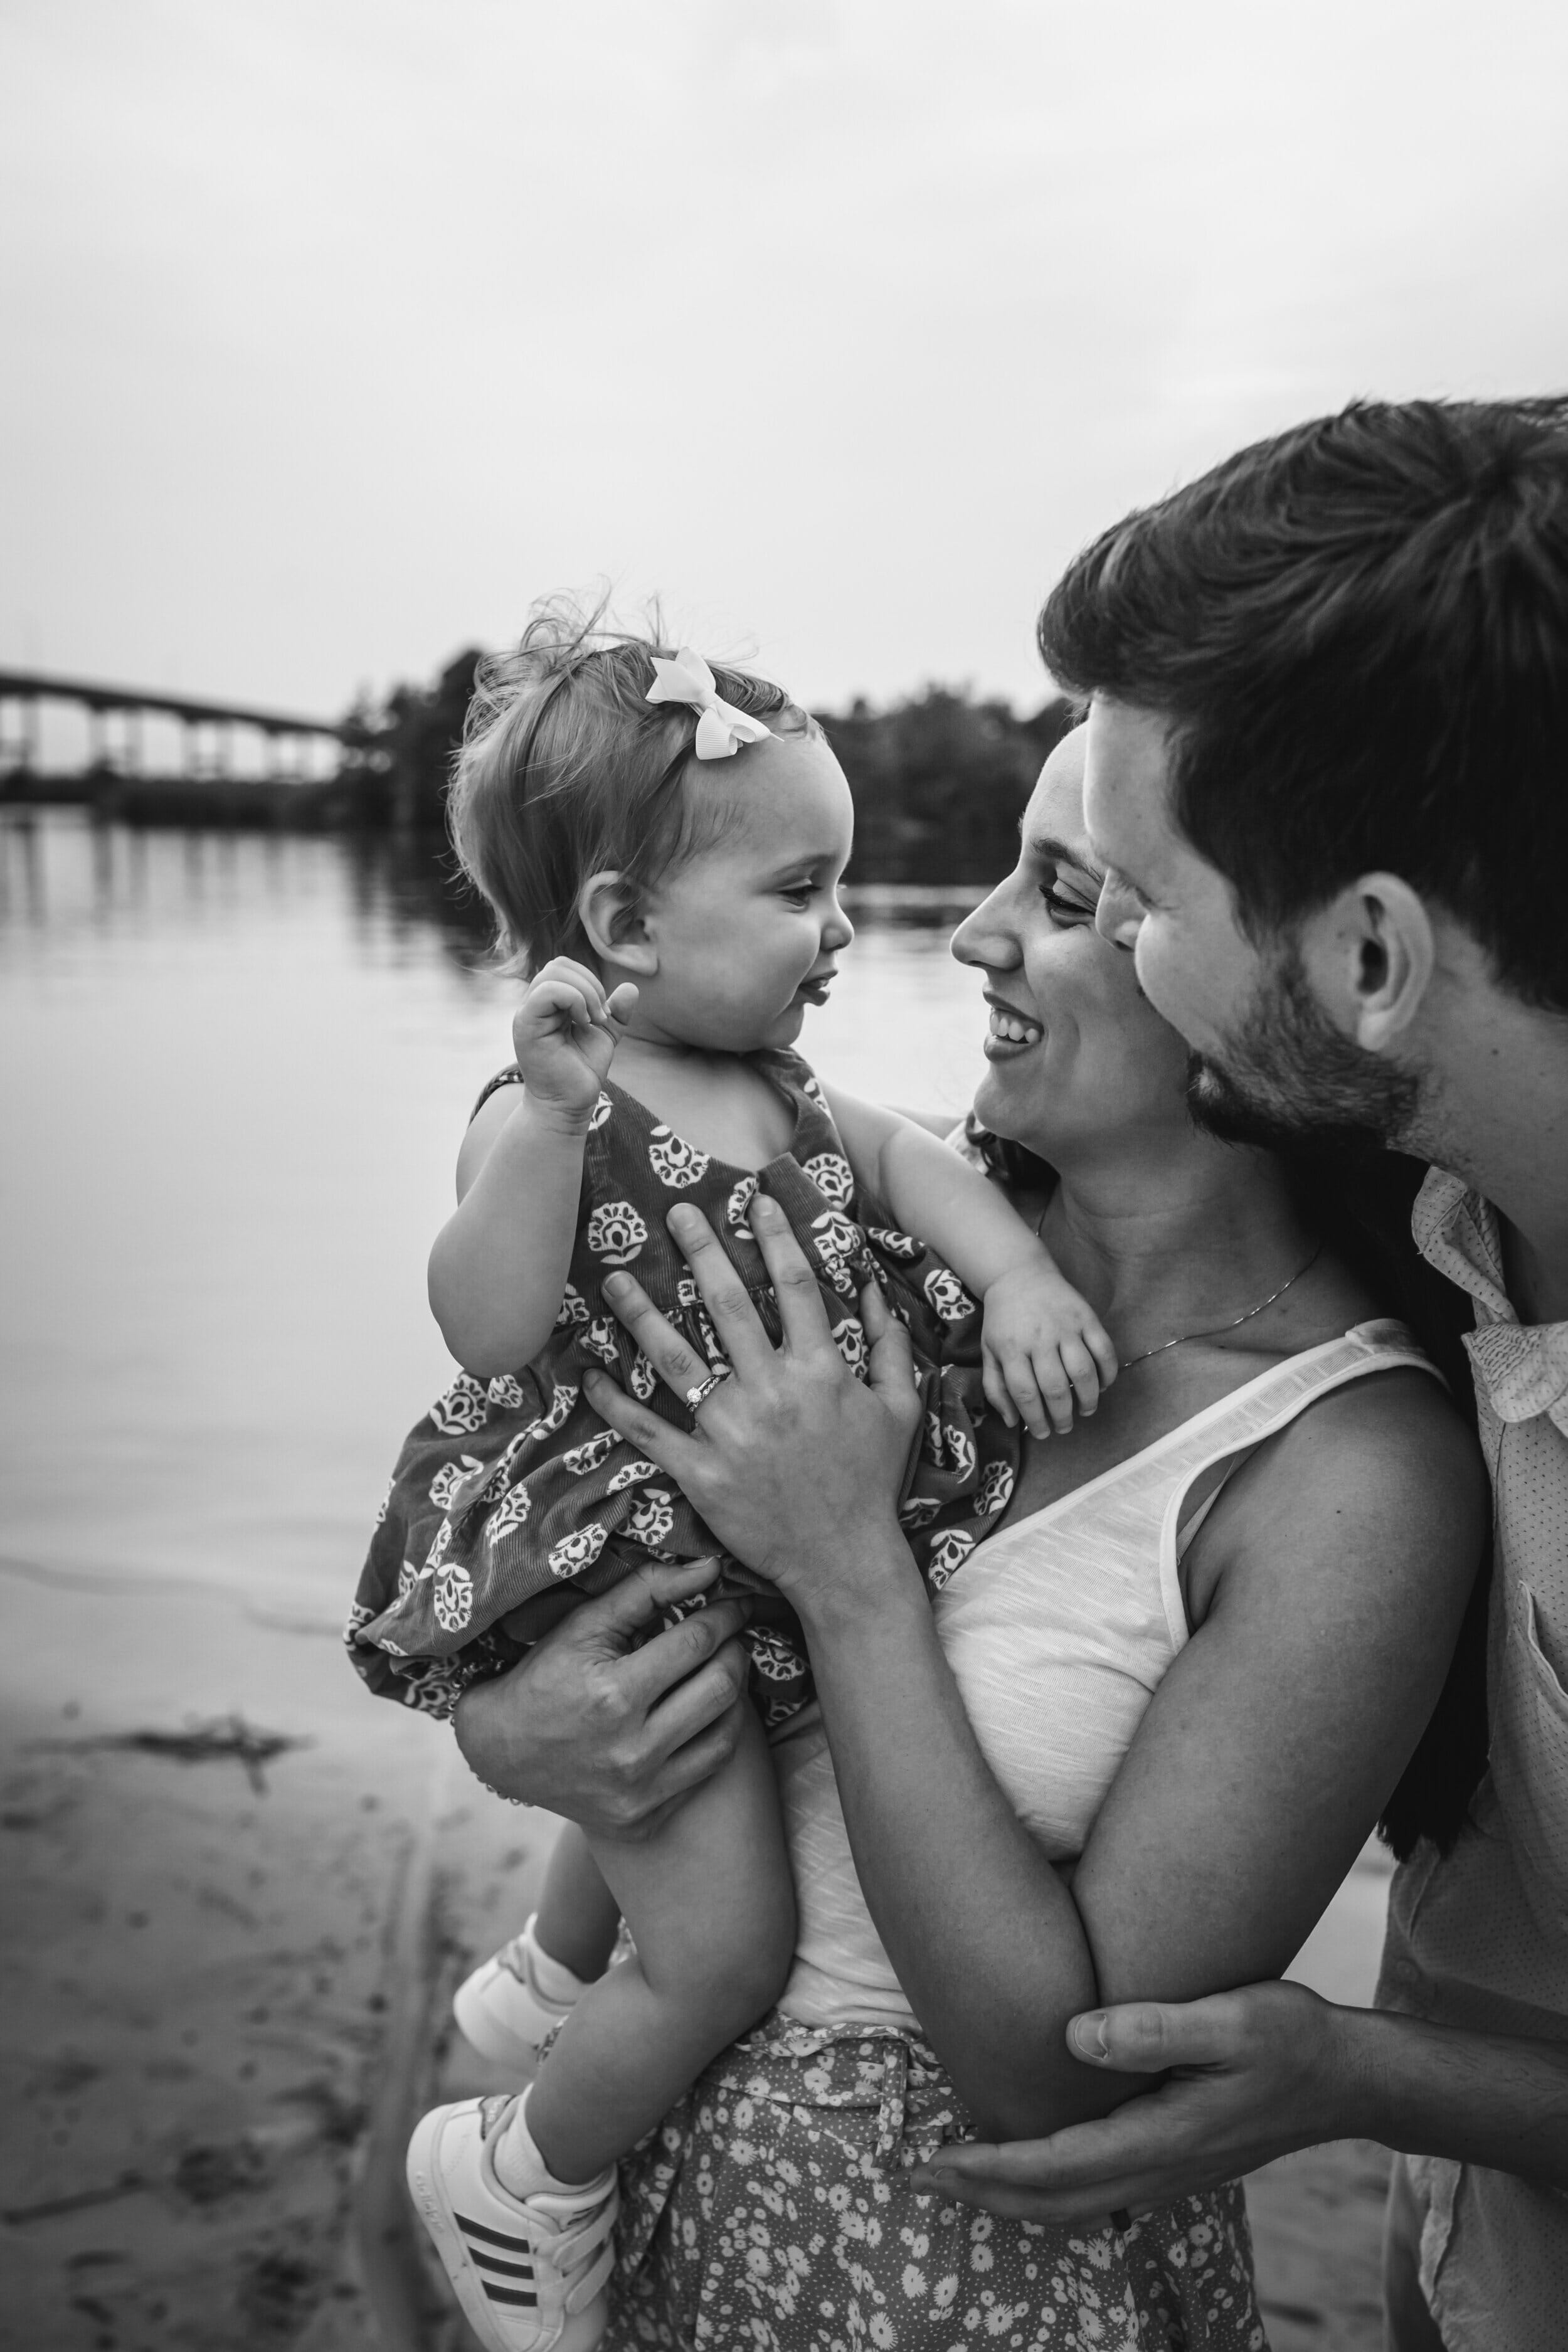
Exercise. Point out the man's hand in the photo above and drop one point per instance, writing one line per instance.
(606, 1733)
(1251, 2075)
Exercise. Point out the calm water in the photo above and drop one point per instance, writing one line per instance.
(236, 1070)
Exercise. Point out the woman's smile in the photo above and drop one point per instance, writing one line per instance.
(1011, 1033)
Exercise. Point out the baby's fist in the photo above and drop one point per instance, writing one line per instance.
(1045, 1351)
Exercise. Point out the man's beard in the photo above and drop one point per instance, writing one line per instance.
(1290, 1078)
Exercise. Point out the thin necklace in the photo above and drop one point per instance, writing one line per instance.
(1215, 1329)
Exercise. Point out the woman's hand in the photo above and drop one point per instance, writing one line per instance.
(607, 1734)
(793, 1462)
(564, 1034)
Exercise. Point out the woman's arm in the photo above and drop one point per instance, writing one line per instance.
(1259, 1767)
(1256, 1775)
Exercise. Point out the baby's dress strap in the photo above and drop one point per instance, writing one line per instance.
(510, 1077)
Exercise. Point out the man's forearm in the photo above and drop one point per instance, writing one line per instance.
(1480, 2098)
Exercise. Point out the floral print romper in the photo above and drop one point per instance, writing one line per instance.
(511, 1503)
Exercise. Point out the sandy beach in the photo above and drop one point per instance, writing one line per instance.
(225, 1976)
(219, 1977)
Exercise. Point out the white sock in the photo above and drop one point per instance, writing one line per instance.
(521, 2169)
(553, 1977)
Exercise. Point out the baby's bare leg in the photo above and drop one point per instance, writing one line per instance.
(711, 1905)
(578, 1918)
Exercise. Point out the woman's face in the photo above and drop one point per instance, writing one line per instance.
(1076, 1054)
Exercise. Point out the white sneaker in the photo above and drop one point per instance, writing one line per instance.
(530, 2272)
(501, 2008)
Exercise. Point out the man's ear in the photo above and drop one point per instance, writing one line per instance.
(609, 909)
(1371, 954)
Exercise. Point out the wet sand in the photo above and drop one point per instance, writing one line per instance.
(217, 1980)
(224, 1987)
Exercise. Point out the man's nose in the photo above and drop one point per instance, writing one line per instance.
(1118, 915)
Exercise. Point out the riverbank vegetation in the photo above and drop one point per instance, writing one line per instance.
(940, 778)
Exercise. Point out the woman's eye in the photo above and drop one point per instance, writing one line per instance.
(1064, 907)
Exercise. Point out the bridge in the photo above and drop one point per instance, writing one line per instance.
(115, 734)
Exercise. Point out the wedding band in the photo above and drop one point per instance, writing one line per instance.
(704, 1389)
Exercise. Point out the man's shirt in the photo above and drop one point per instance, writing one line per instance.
(1481, 1940)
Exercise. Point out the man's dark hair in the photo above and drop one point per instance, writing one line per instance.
(1358, 632)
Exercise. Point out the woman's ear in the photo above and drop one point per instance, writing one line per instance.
(1372, 957)
(609, 909)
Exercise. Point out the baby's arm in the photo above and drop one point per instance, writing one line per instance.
(1044, 1345)
(498, 1268)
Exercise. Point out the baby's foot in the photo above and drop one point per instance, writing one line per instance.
(530, 2272)
(514, 2000)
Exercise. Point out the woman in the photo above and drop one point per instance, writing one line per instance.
(1132, 1750)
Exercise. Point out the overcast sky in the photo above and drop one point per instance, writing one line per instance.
(334, 331)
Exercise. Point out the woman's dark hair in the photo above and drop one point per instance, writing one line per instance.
(1361, 1208)
(1358, 632)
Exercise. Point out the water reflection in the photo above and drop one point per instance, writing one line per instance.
(236, 1069)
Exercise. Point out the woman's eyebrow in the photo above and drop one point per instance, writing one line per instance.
(1050, 851)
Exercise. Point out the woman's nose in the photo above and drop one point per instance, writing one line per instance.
(985, 936)
(1118, 915)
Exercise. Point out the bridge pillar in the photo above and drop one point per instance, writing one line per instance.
(19, 751)
(97, 736)
(134, 741)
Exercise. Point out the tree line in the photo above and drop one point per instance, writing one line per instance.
(939, 778)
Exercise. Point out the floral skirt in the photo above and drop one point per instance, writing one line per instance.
(771, 2211)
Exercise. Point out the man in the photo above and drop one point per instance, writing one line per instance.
(1328, 777)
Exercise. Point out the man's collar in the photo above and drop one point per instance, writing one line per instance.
(1521, 1369)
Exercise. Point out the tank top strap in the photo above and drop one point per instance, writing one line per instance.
(1241, 1422)
(1268, 1404)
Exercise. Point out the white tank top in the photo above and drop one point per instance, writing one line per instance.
(1058, 1628)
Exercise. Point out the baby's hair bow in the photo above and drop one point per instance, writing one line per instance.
(722, 729)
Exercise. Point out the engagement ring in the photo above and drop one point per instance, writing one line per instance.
(695, 1396)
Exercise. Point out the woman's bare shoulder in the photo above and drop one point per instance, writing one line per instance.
(1381, 1477)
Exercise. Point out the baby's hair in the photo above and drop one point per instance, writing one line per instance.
(567, 770)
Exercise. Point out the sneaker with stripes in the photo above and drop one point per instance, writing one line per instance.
(531, 2274)
(503, 2009)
